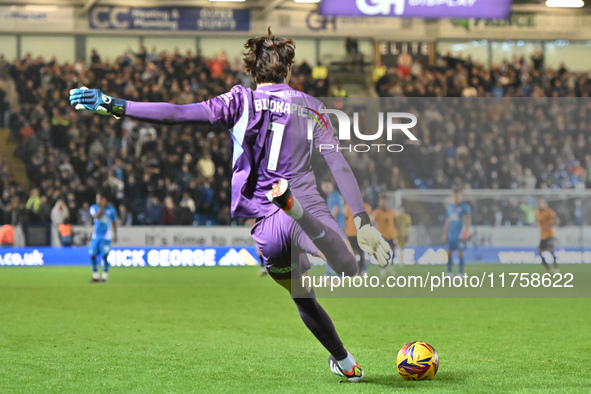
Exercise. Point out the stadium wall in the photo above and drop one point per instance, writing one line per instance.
(160, 246)
(156, 236)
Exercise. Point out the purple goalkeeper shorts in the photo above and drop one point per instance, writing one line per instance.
(283, 243)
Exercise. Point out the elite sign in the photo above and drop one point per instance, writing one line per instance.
(417, 8)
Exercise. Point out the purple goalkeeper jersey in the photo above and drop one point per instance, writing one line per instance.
(269, 138)
(269, 134)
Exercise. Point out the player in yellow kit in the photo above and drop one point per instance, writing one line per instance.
(404, 221)
(547, 220)
(385, 219)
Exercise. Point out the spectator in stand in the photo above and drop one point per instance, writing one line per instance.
(206, 167)
(206, 204)
(72, 205)
(169, 216)
(320, 71)
(305, 69)
(59, 213)
(7, 235)
(13, 211)
(218, 65)
(154, 212)
(186, 210)
(84, 216)
(25, 132)
(44, 210)
(33, 205)
(184, 178)
(65, 232)
(124, 218)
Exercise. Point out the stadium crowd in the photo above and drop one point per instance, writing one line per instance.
(180, 174)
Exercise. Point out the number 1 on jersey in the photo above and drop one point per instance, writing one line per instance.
(277, 129)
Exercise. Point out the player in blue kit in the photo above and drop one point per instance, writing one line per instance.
(104, 217)
(456, 230)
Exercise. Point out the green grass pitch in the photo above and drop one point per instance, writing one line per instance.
(179, 330)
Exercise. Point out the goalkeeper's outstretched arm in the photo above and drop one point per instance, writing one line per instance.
(164, 113)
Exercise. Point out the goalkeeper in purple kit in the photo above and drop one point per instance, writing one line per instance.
(273, 181)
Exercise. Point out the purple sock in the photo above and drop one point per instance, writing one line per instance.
(330, 244)
(318, 321)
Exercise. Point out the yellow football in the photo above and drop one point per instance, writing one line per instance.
(417, 361)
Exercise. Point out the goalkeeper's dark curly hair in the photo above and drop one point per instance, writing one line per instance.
(268, 58)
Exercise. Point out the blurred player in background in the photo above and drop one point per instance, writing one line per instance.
(104, 216)
(456, 230)
(385, 219)
(404, 221)
(351, 233)
(271, 160)
(336, 205)
(335, 202)
(547, 220)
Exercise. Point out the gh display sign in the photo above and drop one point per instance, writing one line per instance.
(417, 8)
